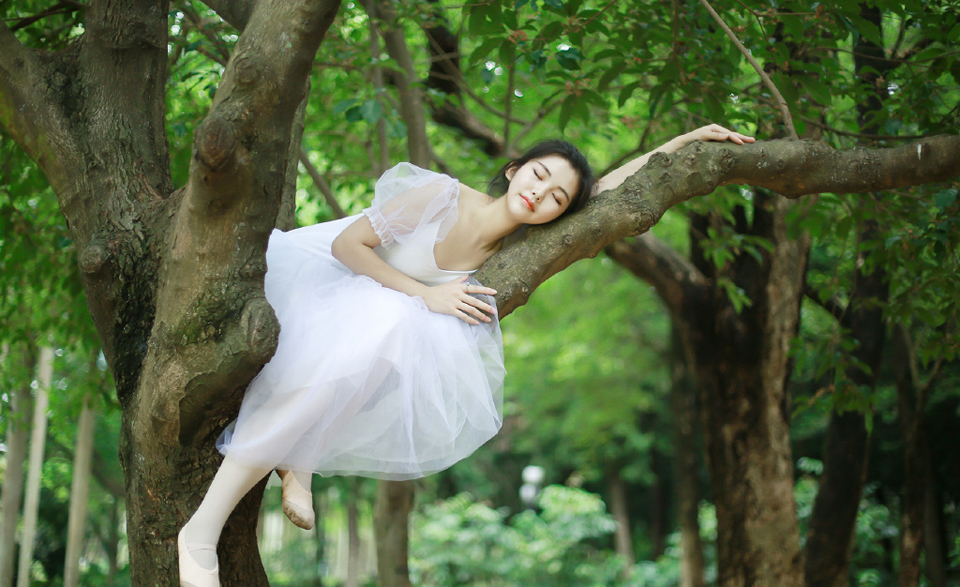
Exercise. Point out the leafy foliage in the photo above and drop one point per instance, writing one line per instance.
(460, 541)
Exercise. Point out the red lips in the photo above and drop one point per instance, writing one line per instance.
(527, 201)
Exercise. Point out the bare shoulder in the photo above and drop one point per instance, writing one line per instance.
(471, 199)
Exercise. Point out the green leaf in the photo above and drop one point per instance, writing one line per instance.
(480, 53)
(566, 111)
(508, 52)
(569, 59)
(485, 19)
(551, 32)
(611, 74)
(345, 105)
(371, 110)
(945, 198)
(626, 93)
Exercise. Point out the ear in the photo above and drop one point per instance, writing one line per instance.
(511, 171)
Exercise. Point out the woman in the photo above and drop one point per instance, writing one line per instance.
(389, 362)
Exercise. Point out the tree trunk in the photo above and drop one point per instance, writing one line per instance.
(353, 540)
(833, 520)
(741, 365)
(933, 530)
(38, 437)
(685, 424)
(916, 459)
(845, 455)
(392, 515)
(18, 432)
(619, 509)
(78, 494)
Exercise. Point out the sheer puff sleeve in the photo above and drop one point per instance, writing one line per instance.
(408, 199)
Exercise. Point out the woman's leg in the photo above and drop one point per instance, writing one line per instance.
(232, 481)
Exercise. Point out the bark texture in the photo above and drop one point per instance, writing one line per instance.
(740, 362)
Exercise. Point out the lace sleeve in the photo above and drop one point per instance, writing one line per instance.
(408, 199)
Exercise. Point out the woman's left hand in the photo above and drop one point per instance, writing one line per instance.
(715, 132)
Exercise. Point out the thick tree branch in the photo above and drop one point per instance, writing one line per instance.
(211, 298)
(27, 114)
(792, 168)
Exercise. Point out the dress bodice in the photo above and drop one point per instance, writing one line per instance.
(417, 259)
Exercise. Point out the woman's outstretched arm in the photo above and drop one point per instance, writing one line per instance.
(712, 132)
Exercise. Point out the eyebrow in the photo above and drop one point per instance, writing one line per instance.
(559, 187)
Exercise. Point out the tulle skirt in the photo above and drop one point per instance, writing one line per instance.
(365, 380)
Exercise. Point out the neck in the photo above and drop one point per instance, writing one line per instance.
(494, 222)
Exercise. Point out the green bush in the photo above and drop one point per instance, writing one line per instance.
(462, 542)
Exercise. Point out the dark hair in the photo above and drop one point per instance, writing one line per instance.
(564, 149)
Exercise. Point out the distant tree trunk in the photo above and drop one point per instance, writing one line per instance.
(78, 494)
(741, 367)
(620, 511)
(38, 437)
(353, 540)
(683, 403)
(319, 531)
(933, 530)
(394, 502)
(912, 400)
(18, 432)
(831, 528)
(659, 494)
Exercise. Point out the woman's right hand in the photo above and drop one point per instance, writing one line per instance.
(455, 298)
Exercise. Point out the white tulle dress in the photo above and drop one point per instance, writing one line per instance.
(366, 380)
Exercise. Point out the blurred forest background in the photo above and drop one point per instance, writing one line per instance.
(598, 477)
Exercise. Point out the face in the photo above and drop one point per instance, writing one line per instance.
(541, 189)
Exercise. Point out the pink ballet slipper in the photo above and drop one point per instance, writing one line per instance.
(191, 573)
(297, 501)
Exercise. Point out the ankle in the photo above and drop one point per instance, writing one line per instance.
(197, 533)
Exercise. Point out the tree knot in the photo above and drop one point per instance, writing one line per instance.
(93, 257)
(261, 327)
(215, 143)
(247, 68)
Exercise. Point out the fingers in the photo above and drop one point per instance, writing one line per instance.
(463, 304)
(715, 132)
(476, 307)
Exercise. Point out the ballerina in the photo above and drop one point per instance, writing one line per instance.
(389, 362)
